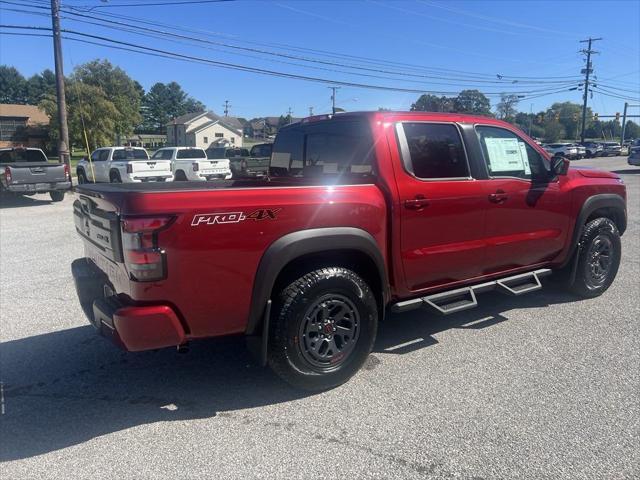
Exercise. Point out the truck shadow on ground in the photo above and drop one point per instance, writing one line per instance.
(68, 387)
(19, 201)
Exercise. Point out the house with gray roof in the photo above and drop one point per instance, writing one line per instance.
(203, 129)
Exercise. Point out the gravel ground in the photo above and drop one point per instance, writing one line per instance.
(543, 386)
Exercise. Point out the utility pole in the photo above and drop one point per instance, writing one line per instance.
(333, 99)
(530, 118)
(624, 122)
(311, 111)
(226, 108)
(63, 134)
(587, 71)
(289, 112)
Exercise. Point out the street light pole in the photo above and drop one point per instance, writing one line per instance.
(63, 137)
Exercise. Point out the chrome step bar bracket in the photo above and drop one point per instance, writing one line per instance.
(506, 285)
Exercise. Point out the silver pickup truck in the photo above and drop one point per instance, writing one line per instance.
(26, 171)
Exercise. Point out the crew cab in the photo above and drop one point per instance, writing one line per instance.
(192, 164)
(238, 158)
(368, 212)
(26, 171)
(122, 165)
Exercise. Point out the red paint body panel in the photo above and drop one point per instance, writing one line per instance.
(459, 237)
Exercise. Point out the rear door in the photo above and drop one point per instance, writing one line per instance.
(442, 207)
(526, 219)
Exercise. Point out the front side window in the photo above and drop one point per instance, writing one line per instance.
(435, 151)
(335, 147)
(507, 155)
(95, 156)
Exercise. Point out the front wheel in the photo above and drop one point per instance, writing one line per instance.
(598, 258)
(324, 328)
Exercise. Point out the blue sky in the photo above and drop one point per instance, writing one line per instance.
(463, 44)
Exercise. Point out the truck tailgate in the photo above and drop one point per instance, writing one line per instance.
(151, 167)
(40, 172)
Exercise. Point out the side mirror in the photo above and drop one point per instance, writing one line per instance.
(559, 165)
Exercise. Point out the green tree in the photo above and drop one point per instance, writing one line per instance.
(118, 87)
(472, 101)
(13, 86)
(432, 103)
(570, 117)
(506, 108)
(39, 85)
(164, 102)
(88, 108)
(632, 130)
(553, 131)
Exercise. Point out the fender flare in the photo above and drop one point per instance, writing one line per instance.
(294, 245)
(591, 204)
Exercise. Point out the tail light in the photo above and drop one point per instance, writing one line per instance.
(129, 168)
(144, 259)
(67, 174)
(7, 175)
(195, 166)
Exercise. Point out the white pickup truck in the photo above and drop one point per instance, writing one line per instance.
(192, 164)
(123, 165)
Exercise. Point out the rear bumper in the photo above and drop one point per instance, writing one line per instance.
(131, 327)
(38, 187)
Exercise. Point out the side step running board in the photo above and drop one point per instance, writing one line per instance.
(460, 299)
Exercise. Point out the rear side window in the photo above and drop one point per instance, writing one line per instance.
(18, 155)
(507, 155)
(130, 154)
(336, 148)
(435, 151)
(191, 153)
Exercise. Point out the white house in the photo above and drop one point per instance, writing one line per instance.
(202, 130)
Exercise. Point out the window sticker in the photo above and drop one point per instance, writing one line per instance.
(525, 157)
(504, 155)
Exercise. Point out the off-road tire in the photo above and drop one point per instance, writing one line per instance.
(180, 176)
(114, 177)
(57, 195)
(290, 315)
(600, 240)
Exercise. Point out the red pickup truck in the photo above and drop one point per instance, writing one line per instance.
(361, 213)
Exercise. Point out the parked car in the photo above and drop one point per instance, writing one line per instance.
(238, 158)
(123, 165)
(191, 163)
(634, 153)
(592, 149)
(611, 149)
(375, 223)
(566, 150)
(27, 171)
(582, 151)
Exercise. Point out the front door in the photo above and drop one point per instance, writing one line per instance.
(526, 219)
(442, 207)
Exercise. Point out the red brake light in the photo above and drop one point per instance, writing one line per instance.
(7, 174)
(67, 175)
(144, 259)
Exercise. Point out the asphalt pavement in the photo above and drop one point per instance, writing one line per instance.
(540, 386)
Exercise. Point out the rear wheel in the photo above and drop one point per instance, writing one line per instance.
(57, 195)
(180, 176)
(598, 258)
(114, 177)
(82, 177)
(325, 326)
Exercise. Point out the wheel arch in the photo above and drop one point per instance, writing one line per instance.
(299, 251)
(609, 205)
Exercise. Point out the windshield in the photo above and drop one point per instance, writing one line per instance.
(130, 154)
(22, 155)
(191, 153)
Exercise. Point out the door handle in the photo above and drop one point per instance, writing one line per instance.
(499, 197)
(417, 203)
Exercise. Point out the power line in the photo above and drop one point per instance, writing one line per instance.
(155, 4)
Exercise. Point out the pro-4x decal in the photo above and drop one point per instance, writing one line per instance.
(234, 217)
